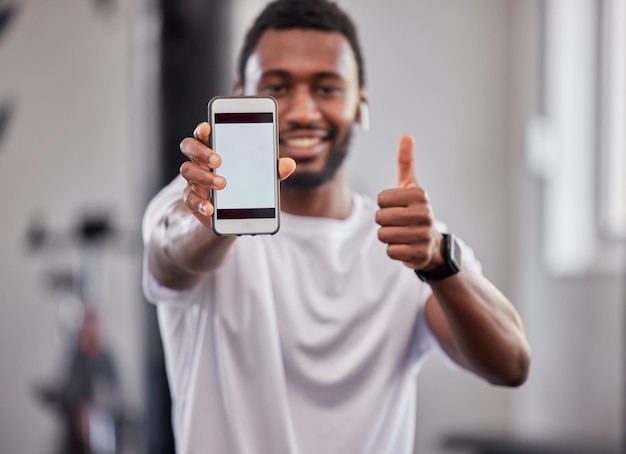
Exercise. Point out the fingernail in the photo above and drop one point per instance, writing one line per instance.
(196, 131)
(201, 208)
(214, 159)
(218, 182)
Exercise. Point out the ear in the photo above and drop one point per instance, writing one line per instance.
(238, 88)
(364, 116)
(363, 113)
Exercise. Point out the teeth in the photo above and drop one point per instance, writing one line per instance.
(303, 141)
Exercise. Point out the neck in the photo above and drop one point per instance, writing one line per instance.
(330, 200)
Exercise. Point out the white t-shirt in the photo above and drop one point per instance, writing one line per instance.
(307, 341)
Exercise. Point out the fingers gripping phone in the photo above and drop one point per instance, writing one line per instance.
(244, 132)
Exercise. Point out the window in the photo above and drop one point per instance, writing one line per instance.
(576, 142)
(613, 144)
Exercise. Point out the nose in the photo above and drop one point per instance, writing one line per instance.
(302, 107)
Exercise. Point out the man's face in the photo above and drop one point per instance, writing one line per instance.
(314, 77)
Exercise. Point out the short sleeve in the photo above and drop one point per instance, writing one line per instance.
(159, 205)
(156, 209)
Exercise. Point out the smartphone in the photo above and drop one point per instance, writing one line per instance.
(244, 132)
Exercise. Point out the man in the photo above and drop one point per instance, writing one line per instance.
(309, 341)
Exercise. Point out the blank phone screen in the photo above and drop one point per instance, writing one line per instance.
(245, 142)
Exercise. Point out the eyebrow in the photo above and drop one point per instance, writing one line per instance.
(317, 75)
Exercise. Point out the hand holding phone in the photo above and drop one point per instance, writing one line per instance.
(244, 132)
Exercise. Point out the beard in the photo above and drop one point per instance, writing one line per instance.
(312, 180)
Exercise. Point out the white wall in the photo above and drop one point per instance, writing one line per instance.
(575, 324)
(67, 152)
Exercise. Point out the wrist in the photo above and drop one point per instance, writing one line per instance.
(451, 264)
(438, 258)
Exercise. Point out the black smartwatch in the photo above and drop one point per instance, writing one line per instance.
(453, 261)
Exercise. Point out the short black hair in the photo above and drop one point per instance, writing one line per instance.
(321, 15)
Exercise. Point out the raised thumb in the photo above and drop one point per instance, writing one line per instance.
(406, 160)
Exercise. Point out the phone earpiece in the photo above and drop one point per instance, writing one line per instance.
(364, 116)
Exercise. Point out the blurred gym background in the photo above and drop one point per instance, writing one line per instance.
(518, 109)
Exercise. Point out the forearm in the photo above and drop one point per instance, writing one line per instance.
(485, 331)
(181, 250)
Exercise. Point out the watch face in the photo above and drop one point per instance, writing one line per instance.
(455, 252)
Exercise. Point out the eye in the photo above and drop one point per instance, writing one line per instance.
(328, 90)
(273, 89)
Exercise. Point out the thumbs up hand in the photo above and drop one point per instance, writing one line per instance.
(406, 219)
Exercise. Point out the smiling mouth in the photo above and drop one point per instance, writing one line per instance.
(302, 142)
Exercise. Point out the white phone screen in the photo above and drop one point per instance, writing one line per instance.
(245, 142)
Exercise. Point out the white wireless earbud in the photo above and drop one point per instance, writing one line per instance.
(364, 116)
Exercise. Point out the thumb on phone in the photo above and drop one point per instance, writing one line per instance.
(286, 167)
(406, 160)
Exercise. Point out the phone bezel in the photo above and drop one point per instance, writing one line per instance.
(246, 226)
